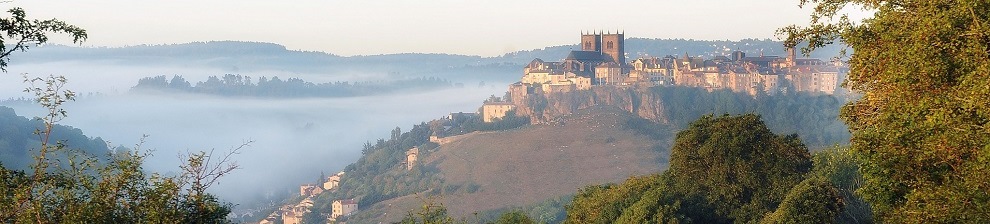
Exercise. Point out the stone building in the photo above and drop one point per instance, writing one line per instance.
(333, 181)
(411, 157)
(309, 190)
(494, 110)
(609, 73)
(342, 208)
(294, 214)
(612, 46)
(601, 61)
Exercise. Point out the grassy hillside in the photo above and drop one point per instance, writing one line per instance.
(525, 166)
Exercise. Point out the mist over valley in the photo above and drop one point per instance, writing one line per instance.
(294, 139)
(129, 92)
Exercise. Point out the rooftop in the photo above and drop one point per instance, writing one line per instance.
(584, 56)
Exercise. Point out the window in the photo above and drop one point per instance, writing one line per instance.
(587, 45)
(610, 45)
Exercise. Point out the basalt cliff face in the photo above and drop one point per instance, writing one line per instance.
(548, 107)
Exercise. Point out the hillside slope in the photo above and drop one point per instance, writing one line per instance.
(486, 171)
(19, 144)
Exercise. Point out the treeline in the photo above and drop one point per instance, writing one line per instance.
(237, 85)
(19, 141)
(814, 117)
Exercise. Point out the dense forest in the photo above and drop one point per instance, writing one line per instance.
(237, 85)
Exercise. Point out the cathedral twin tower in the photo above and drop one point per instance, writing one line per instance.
(610, 45)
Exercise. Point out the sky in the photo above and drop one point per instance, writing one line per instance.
(370, 27)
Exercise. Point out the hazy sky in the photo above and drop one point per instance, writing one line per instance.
(362, 27)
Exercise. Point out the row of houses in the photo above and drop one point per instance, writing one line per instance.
(339, 208)
(593, 66)
(292, 214)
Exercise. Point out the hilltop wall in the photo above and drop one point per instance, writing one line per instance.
(547, 107)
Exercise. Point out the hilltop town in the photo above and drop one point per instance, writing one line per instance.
(599, 65)
(602, 62)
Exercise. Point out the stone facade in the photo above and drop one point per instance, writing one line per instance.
(309, 190)
(494, 110)
(342, 208)
(411, 156)
(333, 181)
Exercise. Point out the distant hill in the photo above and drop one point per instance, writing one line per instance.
(237, 85)
(238, 56)
(235, 57)
(525, 166)
(580, 138)
(18, 143)
(643, 47)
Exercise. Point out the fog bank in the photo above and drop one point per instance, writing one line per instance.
(294, 139)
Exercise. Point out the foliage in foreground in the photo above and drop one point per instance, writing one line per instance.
(922, 123)
(433, 213)
(18, 139)
(63, 186)
(724, 170)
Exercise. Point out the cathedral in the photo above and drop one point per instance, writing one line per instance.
(602, 57)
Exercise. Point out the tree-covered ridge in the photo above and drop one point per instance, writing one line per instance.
(275, 87)
(728, 170)
(814, 117)
(18, 139)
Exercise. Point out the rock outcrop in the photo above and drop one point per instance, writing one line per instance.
(547, 107)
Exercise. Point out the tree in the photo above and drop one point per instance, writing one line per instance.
(840, 167)
(430, 213)
(65, 186)
(20, 33)
(514, 217)
(814, 200)
(921, 124)
(735, 167)
(605, 203)
(68, 187)
(727, 169)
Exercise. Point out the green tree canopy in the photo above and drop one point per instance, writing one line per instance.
(736, 166)
(514, 217)
(921, 125)
(727, 169)
(814, 200)
(20, 33)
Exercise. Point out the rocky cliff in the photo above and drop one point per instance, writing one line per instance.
(547, 107)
